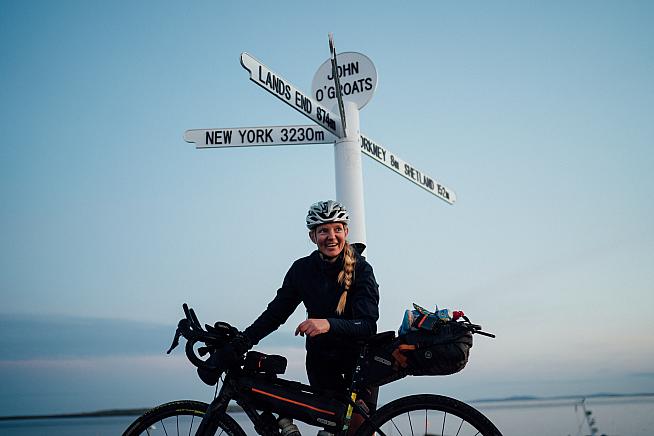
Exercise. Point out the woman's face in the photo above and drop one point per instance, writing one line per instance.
(330, 238)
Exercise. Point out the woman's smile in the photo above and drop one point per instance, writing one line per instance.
(330, 239)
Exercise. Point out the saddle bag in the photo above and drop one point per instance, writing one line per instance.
(441, 349)
(292, 400)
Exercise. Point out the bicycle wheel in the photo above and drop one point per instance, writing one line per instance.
(428, 415)
(179, 418)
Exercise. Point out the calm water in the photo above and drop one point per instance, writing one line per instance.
(623, 417)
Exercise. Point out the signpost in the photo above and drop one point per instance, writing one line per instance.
(345, 82)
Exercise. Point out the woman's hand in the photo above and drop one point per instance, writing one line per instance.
(312, 327)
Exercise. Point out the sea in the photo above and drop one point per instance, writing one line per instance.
(622, 416)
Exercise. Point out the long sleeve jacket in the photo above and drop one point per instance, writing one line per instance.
(314, 282)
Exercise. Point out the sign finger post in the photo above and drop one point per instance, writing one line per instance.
(341, 87)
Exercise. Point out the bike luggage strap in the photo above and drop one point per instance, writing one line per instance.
(379, 338)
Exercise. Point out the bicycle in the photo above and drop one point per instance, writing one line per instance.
(260, 393)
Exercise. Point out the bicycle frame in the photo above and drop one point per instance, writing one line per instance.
(265, 423)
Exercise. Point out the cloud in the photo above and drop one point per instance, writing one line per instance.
(44, 337)
(29, 337)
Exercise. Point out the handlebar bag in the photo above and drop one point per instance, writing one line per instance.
(292, 400)
(264, 363)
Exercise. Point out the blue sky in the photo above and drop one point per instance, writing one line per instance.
(537, 114)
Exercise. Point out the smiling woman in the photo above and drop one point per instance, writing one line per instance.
(338, 288)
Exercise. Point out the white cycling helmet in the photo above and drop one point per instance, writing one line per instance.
(324, 212)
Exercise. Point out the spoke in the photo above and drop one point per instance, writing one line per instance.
(177, 419)
(410, 423)
(398, 430)
(147, 430)
(460, 425)
(164, 427)
(425, 421)
(443, 429)
(191, 427)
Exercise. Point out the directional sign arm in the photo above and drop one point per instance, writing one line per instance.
(289, 94)
(259, 136)
(391, 160)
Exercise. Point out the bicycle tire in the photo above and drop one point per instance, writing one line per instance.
(428, 414)
(179, 418)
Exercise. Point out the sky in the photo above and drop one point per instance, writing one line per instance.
(537, 114)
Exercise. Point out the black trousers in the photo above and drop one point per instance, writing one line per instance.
(333, 372)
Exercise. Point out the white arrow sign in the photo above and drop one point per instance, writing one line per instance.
(289, 94)
(256, 136)
(392, 161)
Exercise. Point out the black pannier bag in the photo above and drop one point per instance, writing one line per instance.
(292, 399)
(442, 350)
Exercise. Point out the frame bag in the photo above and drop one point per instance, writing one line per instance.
(292, 399)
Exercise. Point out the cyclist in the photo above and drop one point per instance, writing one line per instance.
(341, 296)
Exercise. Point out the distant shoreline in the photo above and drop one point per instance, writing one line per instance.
(525, 402)
(236, 409)
(96, 414)
(561, 397)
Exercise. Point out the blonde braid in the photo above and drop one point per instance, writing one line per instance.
(346, 276)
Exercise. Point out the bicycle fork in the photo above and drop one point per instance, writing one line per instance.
(210, 421)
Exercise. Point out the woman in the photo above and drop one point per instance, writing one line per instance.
(338, 289)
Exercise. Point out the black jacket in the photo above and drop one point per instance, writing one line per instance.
(314, 282)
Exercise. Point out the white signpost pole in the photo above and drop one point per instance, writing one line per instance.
(347, 149)
(347, 157)
(349, 174)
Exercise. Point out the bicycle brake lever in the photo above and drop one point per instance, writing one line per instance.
(186, 311)
(195, 321)
(175, 341)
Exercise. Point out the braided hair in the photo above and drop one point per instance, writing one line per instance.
(346, 276)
